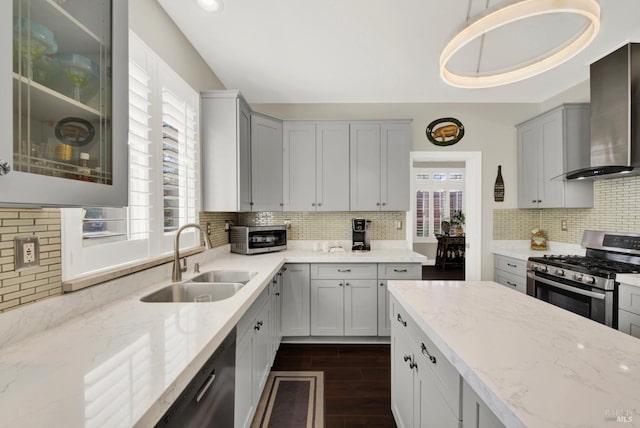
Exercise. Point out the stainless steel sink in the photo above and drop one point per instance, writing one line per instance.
(241, 276)
(194, 292)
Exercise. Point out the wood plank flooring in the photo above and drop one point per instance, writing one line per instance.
(357, 381)
(434, 273)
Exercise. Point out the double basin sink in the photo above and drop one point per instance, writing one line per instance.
(210, 286)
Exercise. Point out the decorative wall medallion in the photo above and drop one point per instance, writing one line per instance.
(445, 131)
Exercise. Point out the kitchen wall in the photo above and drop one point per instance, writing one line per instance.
(616, 203)
(489, 128)
(330, 225)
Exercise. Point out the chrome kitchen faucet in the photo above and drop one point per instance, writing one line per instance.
(177, 270)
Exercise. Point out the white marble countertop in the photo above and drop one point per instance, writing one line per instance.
(534, 365)
(124, 362)
(521, 250)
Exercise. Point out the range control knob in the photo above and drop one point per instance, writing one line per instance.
(589, 280)
(542, 268)
(577, 277)
(559, 272)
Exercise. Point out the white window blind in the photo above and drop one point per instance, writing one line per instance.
(439, 192)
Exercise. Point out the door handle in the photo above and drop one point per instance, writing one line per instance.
(206, 387)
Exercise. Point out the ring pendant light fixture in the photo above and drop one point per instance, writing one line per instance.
(513, 12)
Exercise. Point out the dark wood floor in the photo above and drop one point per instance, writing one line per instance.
(434, 273)
(357, 381)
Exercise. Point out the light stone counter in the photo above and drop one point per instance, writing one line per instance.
(101, 358)
(521, 250)
(534, 365)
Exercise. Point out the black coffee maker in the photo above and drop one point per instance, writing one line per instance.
(361, 230)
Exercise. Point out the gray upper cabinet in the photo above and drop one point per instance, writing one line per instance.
(548, 146)
(266, 163)
(226, 151)
(316, 166)
(380, 166)
(65, 116)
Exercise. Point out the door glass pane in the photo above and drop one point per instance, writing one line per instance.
(62, 89)
(455, 201)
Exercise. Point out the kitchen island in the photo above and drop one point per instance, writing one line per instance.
(100, 357)
(531, 363)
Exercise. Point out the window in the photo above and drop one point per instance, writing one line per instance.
(163, 175)
(439, 192)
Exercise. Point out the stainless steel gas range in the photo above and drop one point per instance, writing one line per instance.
(586, 285)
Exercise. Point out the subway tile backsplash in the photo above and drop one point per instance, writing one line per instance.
(616, 209)
(330, 225)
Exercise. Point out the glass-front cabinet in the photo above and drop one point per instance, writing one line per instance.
(64, 114)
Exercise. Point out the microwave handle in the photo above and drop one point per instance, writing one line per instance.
(599, 296)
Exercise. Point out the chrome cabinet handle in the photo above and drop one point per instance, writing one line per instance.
(412, 364)
(206, 387)
(377, 204)
(5, 167)
(401, 321)
(512, 284)
(384, 204)
(340, 284)
(313, 204)
(512, 265)
(382, 284)
(400, 270)
(347, 284)
(426, 352)
(278, 294)
(344, 270)
(319, 204)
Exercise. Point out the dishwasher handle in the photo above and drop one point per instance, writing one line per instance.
(206, 386)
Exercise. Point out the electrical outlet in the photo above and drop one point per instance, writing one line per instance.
(563, 225)
(287, 224)
(398, 224)
(26, 252)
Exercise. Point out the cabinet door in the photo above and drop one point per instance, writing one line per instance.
(475, 413)
(384, 316)
(266, 163)
(365, 166)
(551, 192)
(244, 404)
(395, 146)
(360, 307)
(295, 295)
(402, 388)
(244, 156)
(629, 323)
(262, 351)
(327, 307)
(528, 159)
(332, 166)
(431, 409)
(299, 165)
(57, 107)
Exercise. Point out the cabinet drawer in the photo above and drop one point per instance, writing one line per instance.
(344, 271)
(508, 264)
(629, 298)
(399, 271)
(629, 323)
(448, 379)
(517, 282)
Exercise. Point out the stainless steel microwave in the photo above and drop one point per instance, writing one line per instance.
(258, 239)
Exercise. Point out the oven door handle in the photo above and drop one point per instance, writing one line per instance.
(592, 294)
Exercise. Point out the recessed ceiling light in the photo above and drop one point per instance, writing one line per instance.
(211, 5)
(517, 11)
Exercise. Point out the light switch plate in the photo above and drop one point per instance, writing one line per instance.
(26, 250)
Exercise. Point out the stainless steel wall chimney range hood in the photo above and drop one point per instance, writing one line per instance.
(615, 110)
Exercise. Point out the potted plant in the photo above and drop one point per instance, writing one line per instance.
(457, 222)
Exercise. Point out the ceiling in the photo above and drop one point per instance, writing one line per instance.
(378, 51)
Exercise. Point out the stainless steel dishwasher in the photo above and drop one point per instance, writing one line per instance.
(208, 400)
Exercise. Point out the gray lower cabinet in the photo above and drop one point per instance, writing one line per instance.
(475, 413)
(316, 166)
(426, 389)
(266, 163)
(387, 271)
(510, 272)
(548, 146)
(344, 299)
(379, 172)
(295, 300)
(629, 309)
(254, 355)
